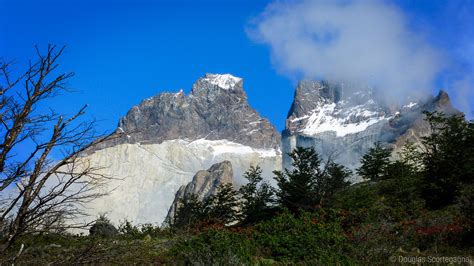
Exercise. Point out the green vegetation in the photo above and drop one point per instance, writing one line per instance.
(257, 197)
(420, 204)
(309, 183)
(375, 163)
(221, 208)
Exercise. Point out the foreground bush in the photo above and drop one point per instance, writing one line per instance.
(285, 238)
(316, 237)
(214, 247)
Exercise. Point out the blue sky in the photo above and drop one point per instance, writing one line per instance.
(125, 51)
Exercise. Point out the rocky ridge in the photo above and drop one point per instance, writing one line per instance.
(204, 184)
(215, 109)
(344, 120)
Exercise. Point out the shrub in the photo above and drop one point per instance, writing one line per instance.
(312, 237)
(214, 247)
(466, 209)
(128, 230)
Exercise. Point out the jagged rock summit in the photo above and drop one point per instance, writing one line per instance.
(344, 120)
(215, 109)
(162, 142)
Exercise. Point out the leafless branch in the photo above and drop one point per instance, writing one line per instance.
(47, 194)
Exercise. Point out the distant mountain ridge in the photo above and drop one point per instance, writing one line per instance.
(344, 122)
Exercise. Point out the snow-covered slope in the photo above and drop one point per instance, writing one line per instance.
(162, 142)
(335, 117)
(343, 121)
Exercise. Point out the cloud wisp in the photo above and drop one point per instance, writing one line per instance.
(357, 41)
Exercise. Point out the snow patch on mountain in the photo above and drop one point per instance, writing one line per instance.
(221, 147)
(339, 119)
(410, 105)
(224, 81)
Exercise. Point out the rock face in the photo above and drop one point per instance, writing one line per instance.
(216, 109)
(344, 120)
(162, 142)
(204, 184)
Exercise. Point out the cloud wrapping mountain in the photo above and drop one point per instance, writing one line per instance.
(357, 41)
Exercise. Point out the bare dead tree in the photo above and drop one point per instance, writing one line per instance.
(43, 193)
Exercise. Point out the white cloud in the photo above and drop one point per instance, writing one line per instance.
(357, 41)
(464, 95)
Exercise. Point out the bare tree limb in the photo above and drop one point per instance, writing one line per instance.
(49, 193)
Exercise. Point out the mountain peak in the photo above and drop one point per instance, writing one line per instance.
(324, 89)
(223, 81)
(215, 85)
(442, 99)
(216, 109)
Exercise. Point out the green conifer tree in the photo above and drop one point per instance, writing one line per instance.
(309, 183)
(223, 207)
(448, 158)
(257, 196)
(374, 163)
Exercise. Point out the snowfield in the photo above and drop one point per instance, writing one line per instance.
(332, 117)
